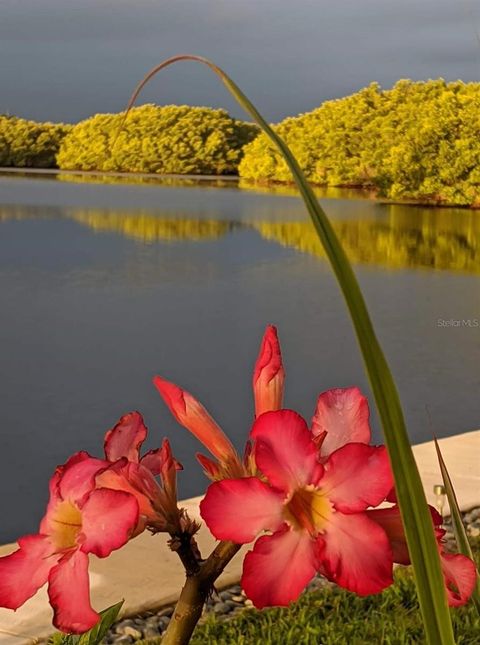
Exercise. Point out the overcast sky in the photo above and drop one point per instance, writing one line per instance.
(67, 59)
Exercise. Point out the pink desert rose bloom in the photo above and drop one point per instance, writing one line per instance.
(126, 471)
(314, 513)
(459, 572)
(268, 381)
(80, 520)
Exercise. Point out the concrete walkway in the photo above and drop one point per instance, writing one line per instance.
(148, 575)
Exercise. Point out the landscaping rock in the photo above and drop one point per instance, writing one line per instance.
(151, 632)
(123, 624)
(221, 608)
(133, 632)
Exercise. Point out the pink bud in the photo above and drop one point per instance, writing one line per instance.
(193, 416)
(268, 375)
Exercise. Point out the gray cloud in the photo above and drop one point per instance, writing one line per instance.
(66, 59)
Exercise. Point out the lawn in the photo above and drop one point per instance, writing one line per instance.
(332, 616)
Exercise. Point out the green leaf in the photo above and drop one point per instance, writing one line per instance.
(458, 527)
(57, 639)
(411, 496)
(96, 634)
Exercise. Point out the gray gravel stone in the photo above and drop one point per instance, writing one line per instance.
(221, 608)
(151, 632)
(123, 624)
(163, 622)
(134, 632)
(152, 621)
(233, 604)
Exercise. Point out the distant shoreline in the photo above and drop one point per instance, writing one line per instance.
(368, 193)
(111, 173)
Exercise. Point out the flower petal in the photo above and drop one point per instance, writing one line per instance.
(284, 450)
(356, 554)
(356, 477)
(78, 478)
(279, 568)
(268, 375)
(460, 577)
(125, 439)
(193, 416)
(122, 476)
(238, 509)
(161, 459)
(211, 468)
(162, 462)
(24, 571)
(53, 501)
(391, 522)
(69, 594)
(343, 414)
(109, 518)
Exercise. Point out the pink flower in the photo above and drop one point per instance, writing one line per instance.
(80, 520)
(458, 571)
(126, 471)
(268, 375)
(314, 513)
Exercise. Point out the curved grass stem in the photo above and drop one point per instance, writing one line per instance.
(411, 496)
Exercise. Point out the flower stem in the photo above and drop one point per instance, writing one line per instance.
(194, 594)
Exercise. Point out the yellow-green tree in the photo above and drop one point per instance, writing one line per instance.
(419, 140)
(27, 144)
(170, 140)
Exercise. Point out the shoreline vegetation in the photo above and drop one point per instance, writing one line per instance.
(417, 143)
(221, 181)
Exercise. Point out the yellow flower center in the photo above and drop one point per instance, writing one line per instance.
(66, 524)
(308, 509)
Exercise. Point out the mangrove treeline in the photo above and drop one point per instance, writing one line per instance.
(418, 141)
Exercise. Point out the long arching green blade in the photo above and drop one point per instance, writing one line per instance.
(410, 493)
(460, 533)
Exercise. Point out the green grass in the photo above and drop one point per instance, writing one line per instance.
(333, 616)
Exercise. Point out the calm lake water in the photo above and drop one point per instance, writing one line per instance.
(103, 286)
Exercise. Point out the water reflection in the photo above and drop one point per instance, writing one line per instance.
(404, 237)
(148, 228)
(98, 295)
